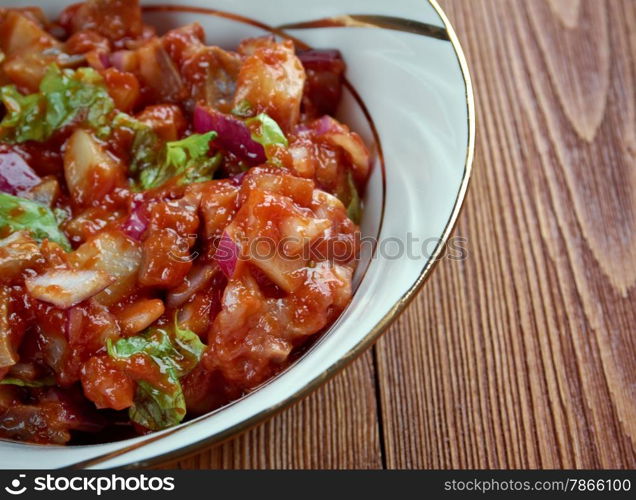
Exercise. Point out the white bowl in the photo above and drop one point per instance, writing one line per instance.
(411, 98)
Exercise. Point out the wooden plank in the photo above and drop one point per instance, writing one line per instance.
(524, 355)
(334, 428)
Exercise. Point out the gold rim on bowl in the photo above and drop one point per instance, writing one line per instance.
(374, 334)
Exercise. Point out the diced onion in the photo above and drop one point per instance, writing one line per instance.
(65, 289)
(16, 176)
(227, 254)
(197, 280)
(137, 222)
(237, 179)
(104, 59)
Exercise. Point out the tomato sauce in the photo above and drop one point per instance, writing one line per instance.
(192, 227)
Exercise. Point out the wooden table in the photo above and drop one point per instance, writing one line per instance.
(524, 355)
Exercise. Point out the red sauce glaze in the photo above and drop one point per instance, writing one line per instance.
(164, 276)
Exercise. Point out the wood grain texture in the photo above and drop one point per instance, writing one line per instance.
(524, 354)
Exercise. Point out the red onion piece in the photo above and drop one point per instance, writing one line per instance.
(326, 125)
(325, 76)
(227, 254)
(104, 58)
(237, 179)
(138, 221)
(233, 134)
(117, 59)
(320, 58)
(123, 60)
(98, 59)
(16, 176)
(197, 279)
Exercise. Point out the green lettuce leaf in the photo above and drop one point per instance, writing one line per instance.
(188, 158)
(155, 344)
(45, 382)
(18, 214)
(267, 130)
(190, 346)
(354, 208)
(24, 119)
(154, 162)
(156, 409)
(191, 149)
(176, 351)
(146, 147)
(66, 96)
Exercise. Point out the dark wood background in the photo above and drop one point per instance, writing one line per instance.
(524, 355)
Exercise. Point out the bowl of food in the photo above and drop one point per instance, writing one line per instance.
(208, 209)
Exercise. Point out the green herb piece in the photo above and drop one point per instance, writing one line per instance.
(45, 382)
(18, 214)
(154, 162)
(354, 208)
(266, 131)
(66, 96)
(188, 158)
(146, 147)
(156, 409)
